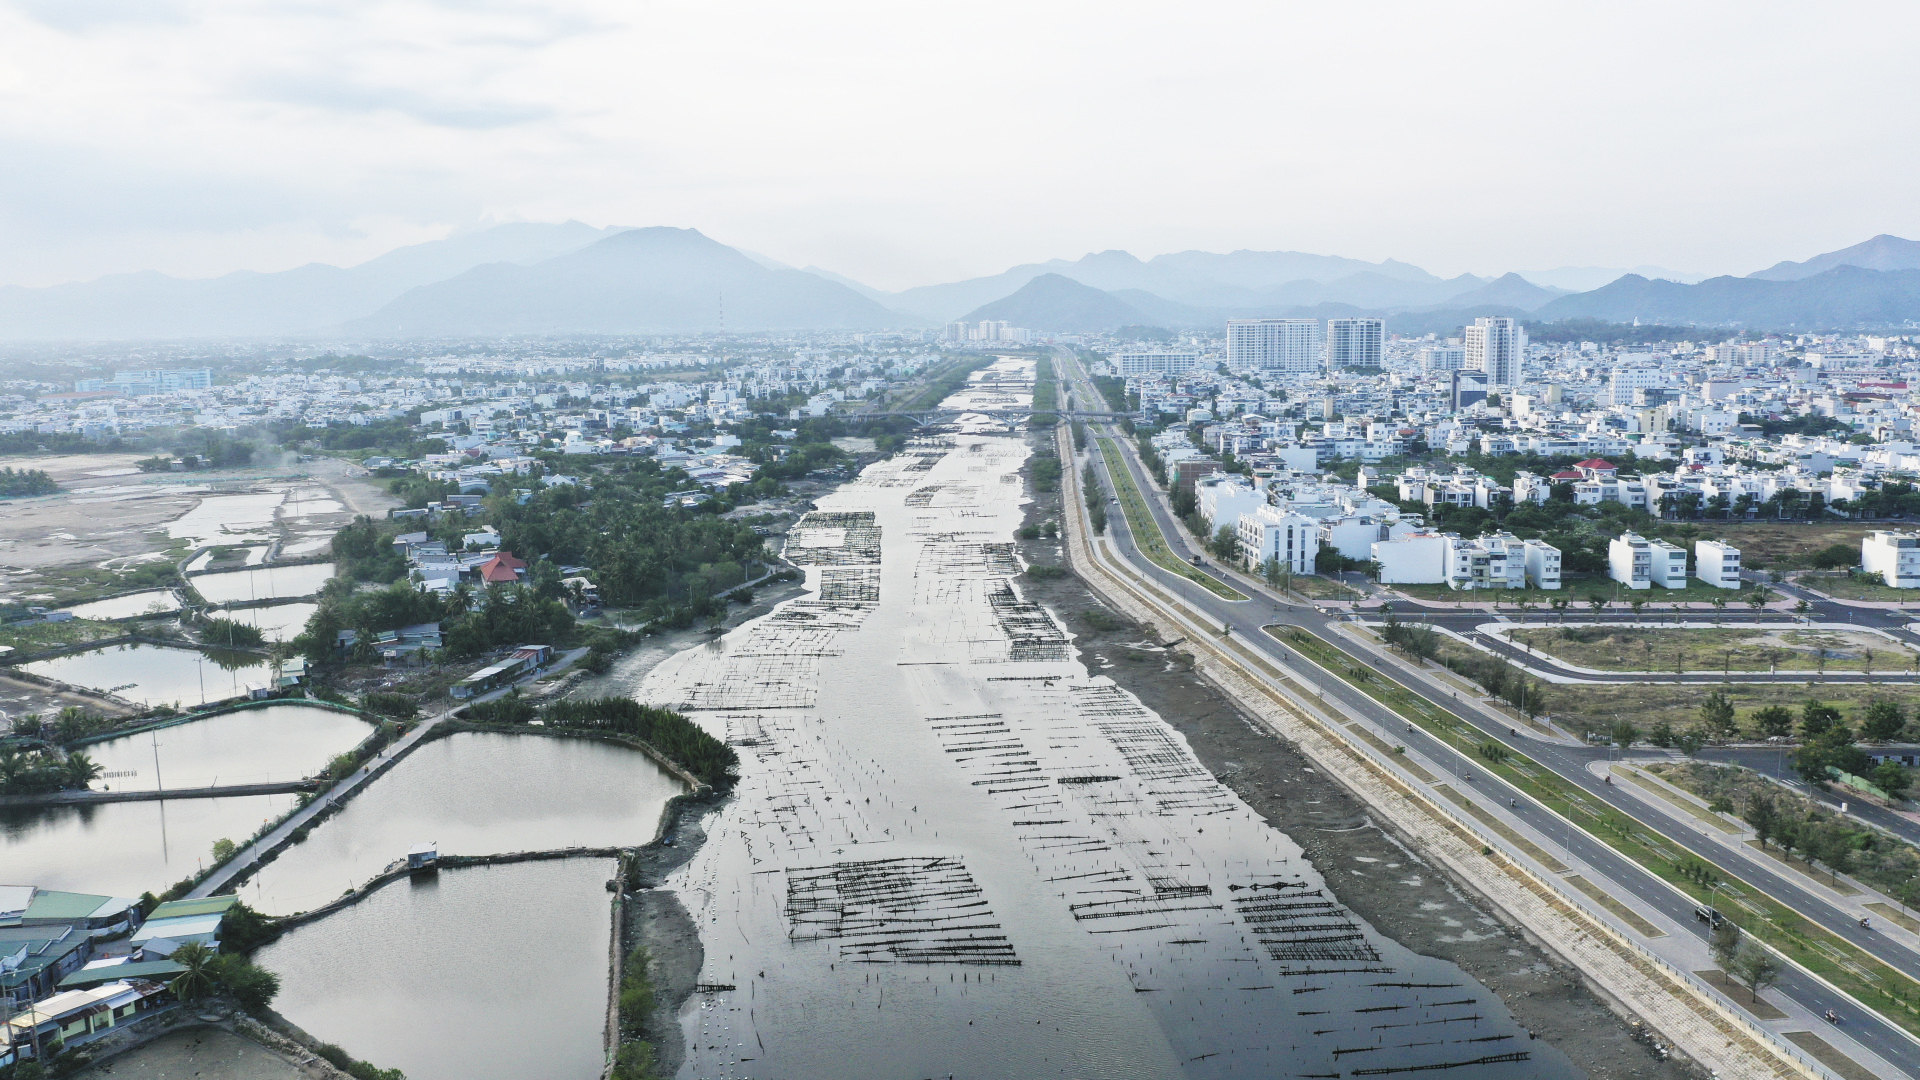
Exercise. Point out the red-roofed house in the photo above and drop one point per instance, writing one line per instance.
(503, 568)
(1597, 469)
(1565, 475)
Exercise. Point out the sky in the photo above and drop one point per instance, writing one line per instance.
(905, 144)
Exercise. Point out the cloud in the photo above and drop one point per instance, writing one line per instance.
(346, 96)
(76, 16)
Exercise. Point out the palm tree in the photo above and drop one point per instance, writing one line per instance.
(79, 770)
(1559, 605)
(195, 980)
(1719, 607)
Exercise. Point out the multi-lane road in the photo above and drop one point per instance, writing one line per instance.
(1248, 619)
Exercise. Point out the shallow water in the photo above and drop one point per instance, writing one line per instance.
(124, 849)
(126, 607)
(266, 583)
(251, 746)
(279, 622)
(158, 674)
(228, 519)
(494, 973)
(953, 851)
(475, 794)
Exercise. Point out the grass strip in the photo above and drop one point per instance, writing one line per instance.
(1146, 532)
(1506, 831)
(1701, 813)
(1599, 896)
(1893, 915)
(1892, 993)
(1823, 1052)
(1755, 1004)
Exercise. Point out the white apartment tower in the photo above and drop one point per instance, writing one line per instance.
(1286, 345)
(1496, 345)
(1355, 343)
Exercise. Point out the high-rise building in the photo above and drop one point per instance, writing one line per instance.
(1439, 359)
(1497, 346)
(1285, 345)
(1131, 362)
(1355, 343)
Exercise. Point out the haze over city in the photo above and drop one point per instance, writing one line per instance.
(906, 147)
(611, 541)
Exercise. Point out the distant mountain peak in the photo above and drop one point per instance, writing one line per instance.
(1883, 252)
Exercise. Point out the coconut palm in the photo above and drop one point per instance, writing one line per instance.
(79, 770)
(195, 980)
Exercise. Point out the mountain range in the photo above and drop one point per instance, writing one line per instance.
(572, 278)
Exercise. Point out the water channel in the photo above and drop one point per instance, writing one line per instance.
(266, 583)
(470, 974)
(955, 852)
(248, 746)
(277, 622)
(472, 793)
(159, 674)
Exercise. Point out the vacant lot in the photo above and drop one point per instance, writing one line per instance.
(1785, 544)
(202, 1053)
(1844, 586)
(1665, 648)
(1594, 708)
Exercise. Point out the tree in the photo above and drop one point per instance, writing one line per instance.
(1225, 544)
(1758, 599)
(1763, 816)
(1624, 733)
(79, 770)
(1816, 719)
(1753, 968)
(1716, 714)
(1724, 943)
(1892, 778)
(1559, 606)
(1719, 606)
(1810, 762)
(1636, 603)
(1801, 608)
(1774, 720)
(254, 987)
(1597, 602)
(1661, 735)
(1270, 570)
(1690, 741)
(1831, 845)
(195, 981)
(1882, 722)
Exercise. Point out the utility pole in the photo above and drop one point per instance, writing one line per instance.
(158, 785)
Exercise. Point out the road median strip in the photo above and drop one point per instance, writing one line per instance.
(1146, 531)
(1700, 813)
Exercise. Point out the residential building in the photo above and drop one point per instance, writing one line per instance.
(1717, 563)
(1415, 559)
(1283, 345)
(1272, 533)
(1355, 343)
(1131, 363)
(1493, 561)
(1542, 561)
(1469, 389)
(1639, 563)
(1222, 497)
(1894, 556)
(1440, 359)
(1496, 345)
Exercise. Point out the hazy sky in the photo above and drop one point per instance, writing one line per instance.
(906, 143)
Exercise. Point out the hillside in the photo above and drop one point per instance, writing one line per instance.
(245, 303)
(643, 281)
(1883, 252)
(1058, 304)
(1843, 297)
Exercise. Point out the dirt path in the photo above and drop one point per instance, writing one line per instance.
(1370, 869)
(204, 1053)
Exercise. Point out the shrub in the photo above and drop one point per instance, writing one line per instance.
(679, 738)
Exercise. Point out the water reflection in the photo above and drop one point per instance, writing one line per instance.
(475, 794)
(126, 607)
(496, 973)
(251, 746)
(266, 583)
(125, 848)
(159, 674)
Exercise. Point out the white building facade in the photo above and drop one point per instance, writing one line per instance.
(1497, 346)
(1271, 533)
(1717, 563)
(1894, 556)
(1640, 563)
(1355, 343)
(1286, 345)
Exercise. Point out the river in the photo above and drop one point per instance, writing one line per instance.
(955, 852)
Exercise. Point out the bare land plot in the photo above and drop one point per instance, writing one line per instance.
(202, 1053)
(1661, 648)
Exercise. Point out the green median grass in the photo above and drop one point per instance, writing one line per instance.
(1146, 531)
(1853, 970)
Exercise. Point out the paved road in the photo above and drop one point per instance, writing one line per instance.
(1246, 620)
